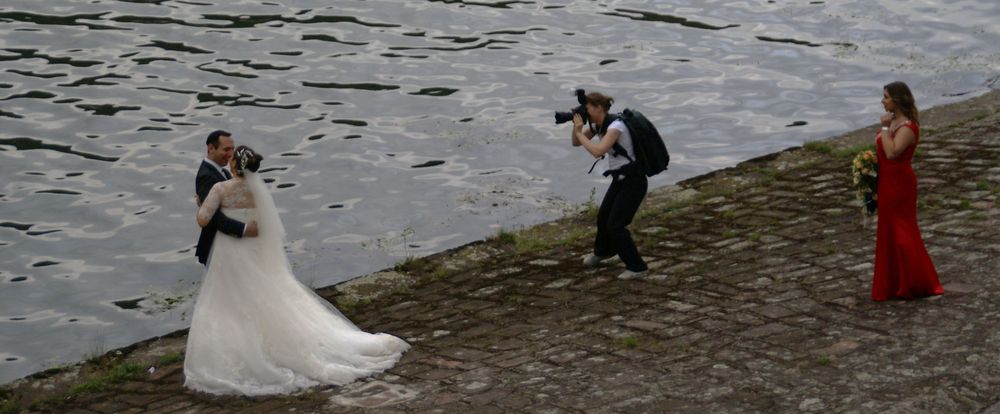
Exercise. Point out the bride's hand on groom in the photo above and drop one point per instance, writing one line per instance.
(251, 230)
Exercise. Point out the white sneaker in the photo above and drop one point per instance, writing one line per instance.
(593, 259)
(628, 274)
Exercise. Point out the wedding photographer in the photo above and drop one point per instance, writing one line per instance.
(628, 185)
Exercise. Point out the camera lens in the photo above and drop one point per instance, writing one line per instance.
(562, 117)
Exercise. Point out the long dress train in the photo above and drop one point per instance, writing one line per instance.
(256, 329)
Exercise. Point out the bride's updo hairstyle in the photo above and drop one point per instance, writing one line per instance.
(246, 160)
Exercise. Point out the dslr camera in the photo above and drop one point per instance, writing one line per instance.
(581, 97)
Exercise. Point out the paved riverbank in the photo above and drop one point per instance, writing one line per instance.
(758, 302)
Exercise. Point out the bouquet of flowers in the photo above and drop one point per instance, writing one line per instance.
(865, 170)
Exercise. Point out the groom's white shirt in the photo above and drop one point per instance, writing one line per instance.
(217, 167)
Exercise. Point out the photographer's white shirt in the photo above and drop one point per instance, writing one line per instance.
(625, 140)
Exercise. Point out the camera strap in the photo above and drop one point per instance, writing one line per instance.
(594, 165)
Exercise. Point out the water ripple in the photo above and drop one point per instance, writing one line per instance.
(52, 60)
(176, 47)
(647, 16)
(359, 86)
(70, 20)
(30, 144)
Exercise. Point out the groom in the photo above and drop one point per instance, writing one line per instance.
(219, 152)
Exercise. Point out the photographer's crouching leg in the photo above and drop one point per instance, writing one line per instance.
(627, 196)
(604, 246)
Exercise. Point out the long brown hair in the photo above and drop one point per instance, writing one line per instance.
(901, 95)
(601, 100)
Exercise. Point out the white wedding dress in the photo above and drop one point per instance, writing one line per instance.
(256, 329)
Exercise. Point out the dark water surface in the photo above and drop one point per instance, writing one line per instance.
(392, 128)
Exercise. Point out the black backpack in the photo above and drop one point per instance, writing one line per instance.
(650, 152)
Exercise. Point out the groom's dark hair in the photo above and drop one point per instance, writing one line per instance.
(213, 138)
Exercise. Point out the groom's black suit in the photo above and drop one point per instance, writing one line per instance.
(208, 175)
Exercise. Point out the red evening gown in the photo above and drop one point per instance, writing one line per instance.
(903, 269)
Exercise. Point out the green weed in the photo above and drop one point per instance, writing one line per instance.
(577, 235)
(818, 146)
(503, 237)
(352, 305)
(767, 172)
(120, 373)
(850, 152)
(590, 208)
(439, 273)
(7, 403)
(170, 359)
(405, 265)
(526, 244)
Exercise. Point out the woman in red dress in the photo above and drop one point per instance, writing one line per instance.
(903, 269)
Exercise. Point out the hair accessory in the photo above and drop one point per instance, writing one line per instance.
(243, 156)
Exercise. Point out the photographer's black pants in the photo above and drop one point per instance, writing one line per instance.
(619, 206)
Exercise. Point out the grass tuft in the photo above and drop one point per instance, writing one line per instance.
(440, 273)
(8, 405)
(577, 235)
(818, 146)
(504, 237)
(118, 374)
(590, 208)
(351, 305)
(406, 265)
(526, 244)
(850, 152)
(630, 341)
(170, 359)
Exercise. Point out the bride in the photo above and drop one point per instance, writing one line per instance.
(257, 330)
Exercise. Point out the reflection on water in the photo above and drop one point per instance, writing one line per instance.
(391, 128)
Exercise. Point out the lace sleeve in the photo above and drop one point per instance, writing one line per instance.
(210, 205)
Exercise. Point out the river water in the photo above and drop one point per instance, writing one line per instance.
(393, 128)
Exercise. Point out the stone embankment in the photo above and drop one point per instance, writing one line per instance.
(758, 301)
